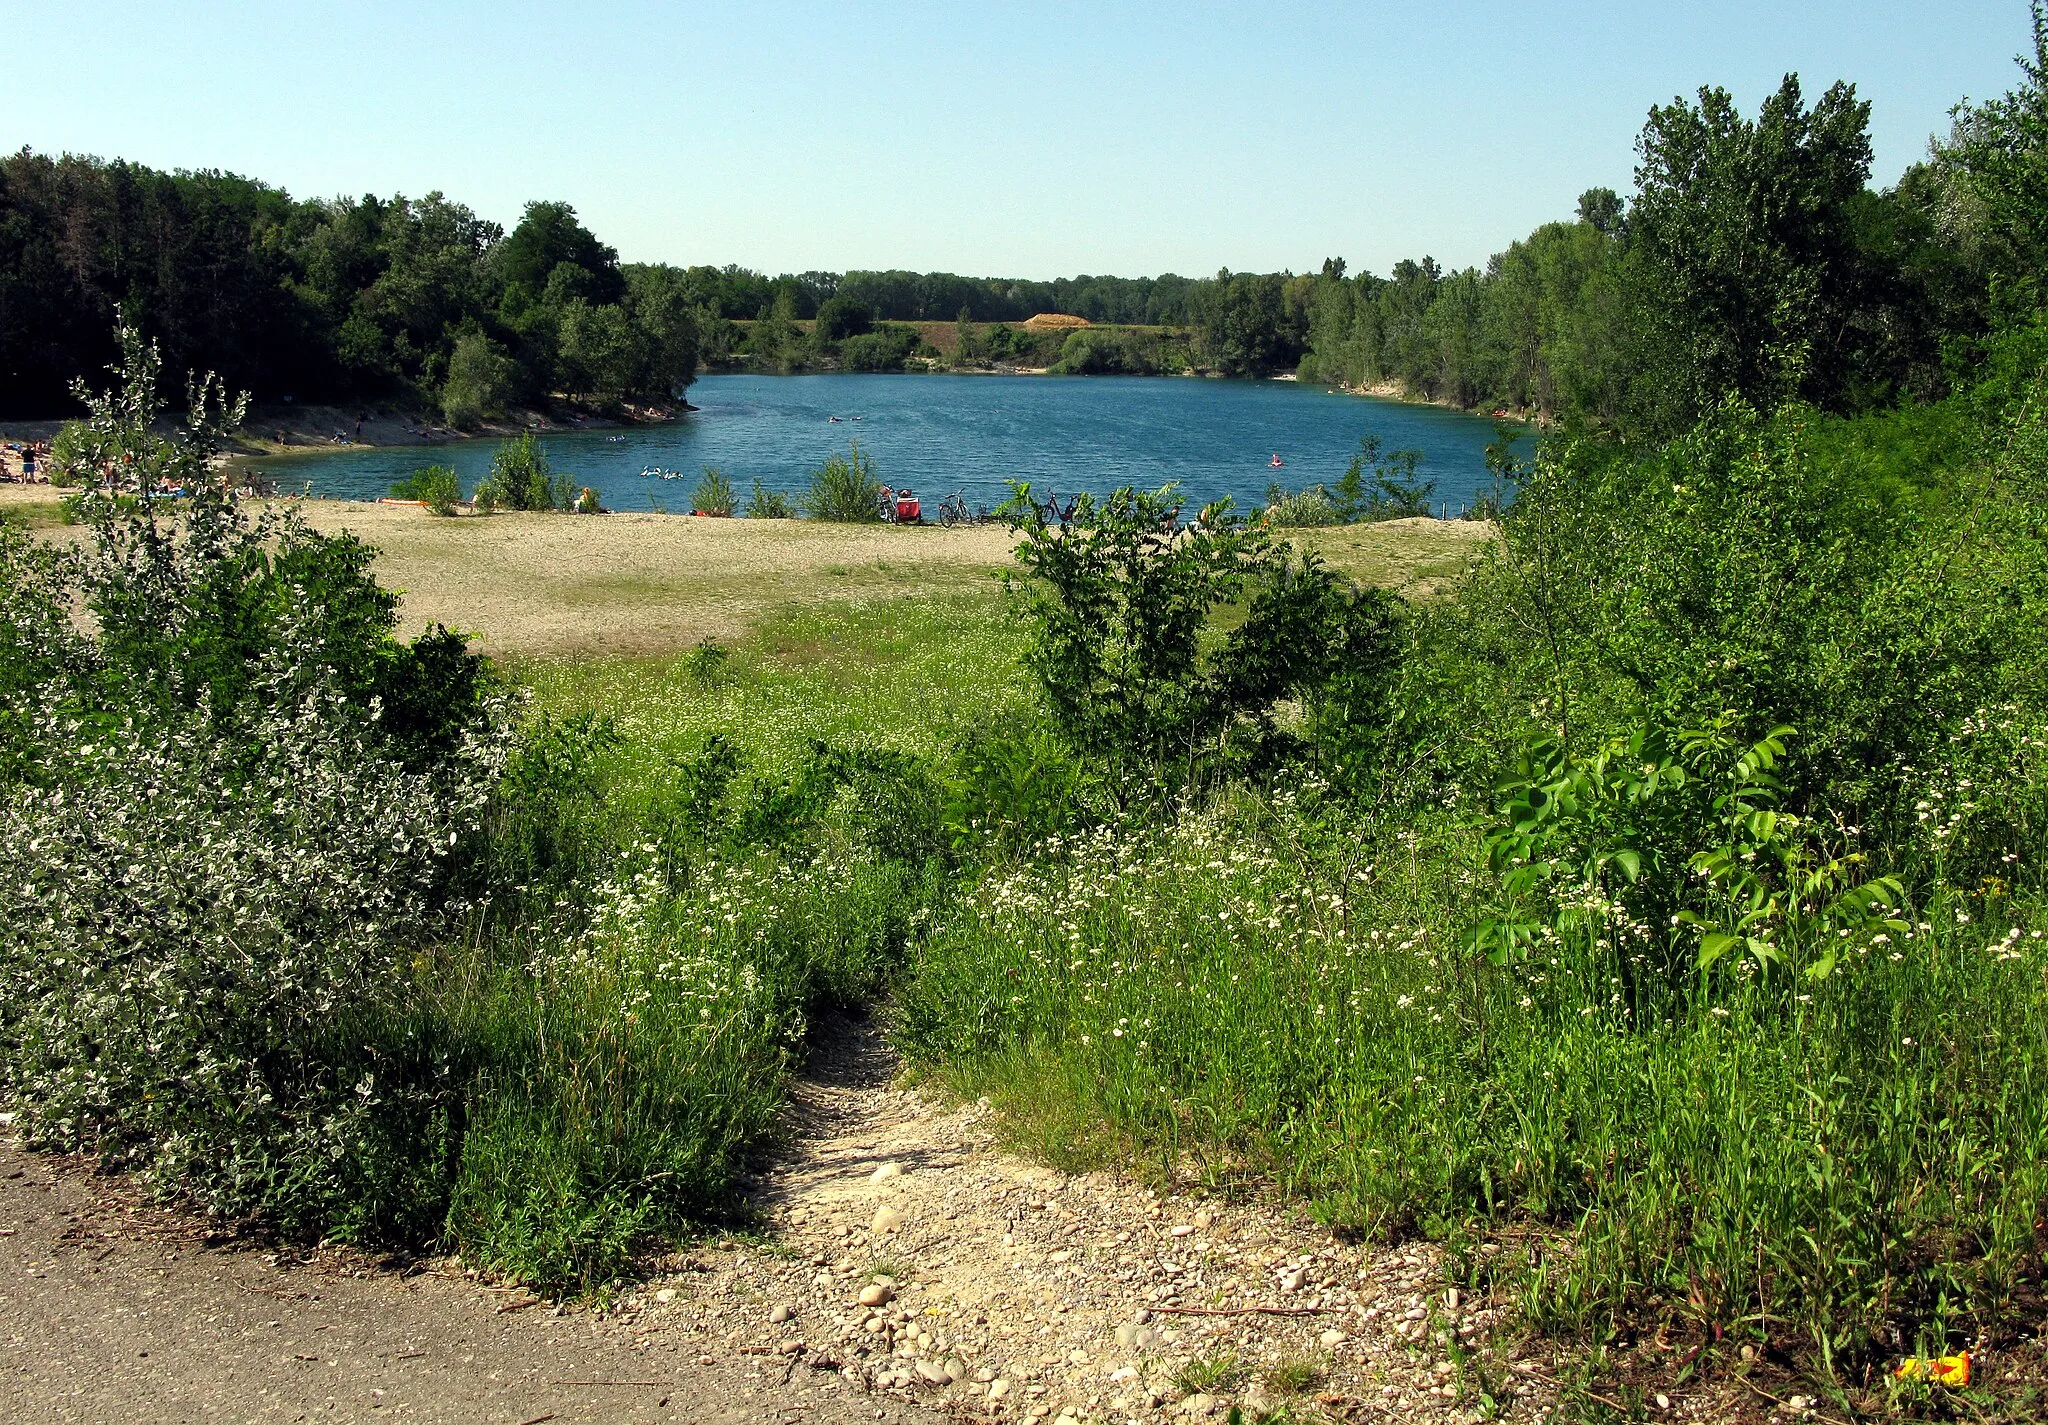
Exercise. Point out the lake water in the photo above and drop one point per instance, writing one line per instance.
(970, 434)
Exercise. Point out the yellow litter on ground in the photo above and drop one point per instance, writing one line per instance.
(1944, 1370)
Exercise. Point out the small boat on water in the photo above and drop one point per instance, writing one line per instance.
(1276, 462)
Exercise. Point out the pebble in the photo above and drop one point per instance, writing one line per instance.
(998, 1388)
(1200, 1403)
(933, 1372)
(1332, 1337)
(885, 1172)
(780, 1314)
(877, 1294)
(1135, 1337)
(1663, 1401)
(1184, 1229)
(665, 1295)
(887, 1219)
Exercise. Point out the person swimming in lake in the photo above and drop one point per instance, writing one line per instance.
(1276, 462)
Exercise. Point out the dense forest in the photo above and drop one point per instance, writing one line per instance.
(1754, 257)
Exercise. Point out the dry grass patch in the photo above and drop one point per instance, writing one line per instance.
(1414, 557)
(554, 585)
(33, 505)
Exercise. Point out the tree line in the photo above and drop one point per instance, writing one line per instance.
(1755, 257)
(347, 298)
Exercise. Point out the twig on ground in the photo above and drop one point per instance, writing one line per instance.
(1238, 1310)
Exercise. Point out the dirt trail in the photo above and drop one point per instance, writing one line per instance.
(998, 1290)
(117, 1313)
(1015, 1292)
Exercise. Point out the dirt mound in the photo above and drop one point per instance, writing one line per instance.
(1055, 321)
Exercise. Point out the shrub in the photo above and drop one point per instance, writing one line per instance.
(228, 809)
(522, 478)
(714, 494)
(841, 317)
(766, 504)
(1302, 509)
(438, 486)
(1380, 486)
(846, 489)
(206, 921)
(1125, 604)
(70, 455)
(884, 350)
(1107, 351)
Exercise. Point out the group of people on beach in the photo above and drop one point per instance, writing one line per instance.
(25, 462)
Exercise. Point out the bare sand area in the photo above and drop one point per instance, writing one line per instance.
(551, 585)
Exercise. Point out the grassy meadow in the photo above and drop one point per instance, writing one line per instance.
(1638, 895)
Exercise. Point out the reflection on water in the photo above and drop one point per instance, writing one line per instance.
(970, 434)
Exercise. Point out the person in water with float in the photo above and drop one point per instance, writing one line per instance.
(1276, 462)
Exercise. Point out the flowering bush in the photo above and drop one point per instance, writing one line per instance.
(228, 806)
(202, 923)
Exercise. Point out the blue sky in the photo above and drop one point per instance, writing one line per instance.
(1029, 140)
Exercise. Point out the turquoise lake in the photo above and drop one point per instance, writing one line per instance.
(972, 435)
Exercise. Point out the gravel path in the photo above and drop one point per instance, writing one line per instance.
(905, 1248)
(994, 1289)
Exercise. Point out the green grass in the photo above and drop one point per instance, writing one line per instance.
(631, 1007)
(907, 674)
(1804, 1166)
(1210, 1374)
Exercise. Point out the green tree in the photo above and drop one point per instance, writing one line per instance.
(1245, 327)
(841, 317)
(1997, 156)
(548, 239)
(602, 352)
(775, 342)
(481, 380)
(1744, 236)
(659, 301)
